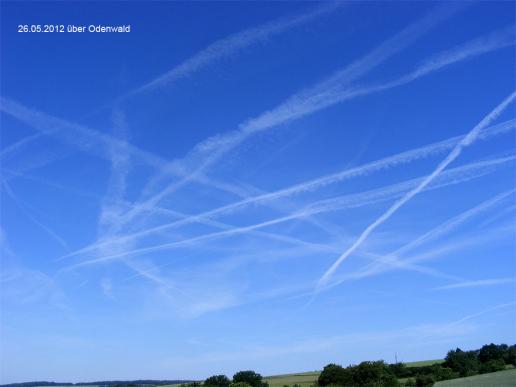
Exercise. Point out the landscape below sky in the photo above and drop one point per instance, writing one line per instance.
(271, 186)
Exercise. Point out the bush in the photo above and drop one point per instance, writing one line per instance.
(410, 383)
(400, 370)
(250, 377)
(443, 373)
(465, 363)
(492, 352)
(217, 381)
(510, 356)
(425, 381)
(240, 384)
(335, 374)
(492, 366)
(373, 373)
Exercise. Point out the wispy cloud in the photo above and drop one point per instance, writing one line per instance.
(18, 146)
(438, 250)
(98, 144)
(478, 283)
(465, 142)
(453, 176)
(412, 333)
(112, 205)
(392, 260)
(320, 96)
(362, 170)
(21, 286)
(232, 44)
(25, 209)
(107, 287)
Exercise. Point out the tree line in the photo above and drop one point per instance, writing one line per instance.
(240, 379)
(457, 364)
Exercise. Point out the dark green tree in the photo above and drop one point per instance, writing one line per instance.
(217, 381)
(250, 377)
(510, 356)
(492, 352)
(442, 373)
(373, 374)
(464, 362)
(492, 365)
(334, 374)
(425, 380)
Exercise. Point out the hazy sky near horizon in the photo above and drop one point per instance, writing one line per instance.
(254, 185)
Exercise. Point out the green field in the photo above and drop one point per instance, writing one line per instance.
(304, 379)
(496, 379)
(424, 363)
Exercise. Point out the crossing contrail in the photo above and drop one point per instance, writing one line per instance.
(465, 142)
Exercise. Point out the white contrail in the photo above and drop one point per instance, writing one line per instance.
(465, 142)
(346, 201)
(478, 283)
(111, 205)
(320, 96)
(45, 228)
(482, 312)
(98, 144)
(78, 136)
(378, 165)
(453, 176)
(392, 260)
(230, 45)
(92, 141)
(18, 145)
(494, 41)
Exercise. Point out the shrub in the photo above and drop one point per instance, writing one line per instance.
(250, 377)
(217, 381)
(465, 363)
(400, 370)
(425, 381)
(335, 374)
(443, 373)
(510, 356)
(492, 352)
(373, 373)
(492, 366)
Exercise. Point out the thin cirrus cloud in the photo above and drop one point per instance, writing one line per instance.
(469, 139)
(453, 176)
(89, 140)
(202, 236)
(491, 42)
(478, 283)
(363, 170)
(322, 95)
(390, 261)
(216, 51)
(228, 46)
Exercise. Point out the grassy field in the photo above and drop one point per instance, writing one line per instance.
(505, 378)
(424, 363)
(304, 379)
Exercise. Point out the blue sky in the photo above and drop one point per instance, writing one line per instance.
(269, 185)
